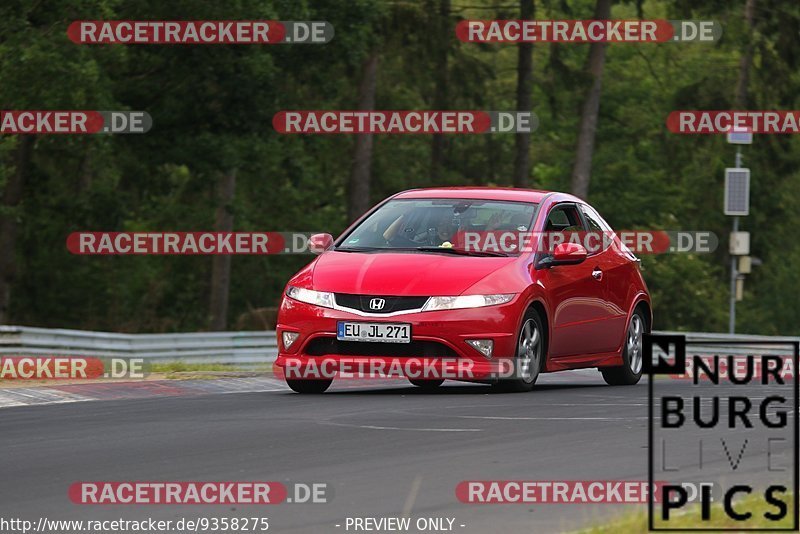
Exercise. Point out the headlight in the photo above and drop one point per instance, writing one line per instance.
(309, 296)
(466, 301)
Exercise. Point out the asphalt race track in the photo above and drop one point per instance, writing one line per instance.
(386, 449)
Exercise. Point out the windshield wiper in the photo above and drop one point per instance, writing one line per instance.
(462, 252)
(359, 249)
(446, 250)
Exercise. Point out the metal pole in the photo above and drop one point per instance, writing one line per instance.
(732, 316)
(732, 304)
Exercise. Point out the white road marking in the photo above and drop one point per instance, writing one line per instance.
(590, 404)
(375, 427)
(508, 418)
(412, 496)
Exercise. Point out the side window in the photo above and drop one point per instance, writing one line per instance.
(592, 219)
(563, 224)
(564, 219)
(599, 227)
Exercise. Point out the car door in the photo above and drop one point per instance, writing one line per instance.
(615, 268)
(577, 294)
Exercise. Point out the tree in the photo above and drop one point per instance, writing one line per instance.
(441, 51)
(38, 71)
(221, 264)
(582, 170)
(361, 175)
(8, 221)
(522, 158)
(746, 60)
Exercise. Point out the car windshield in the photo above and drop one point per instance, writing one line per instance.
(432, 225)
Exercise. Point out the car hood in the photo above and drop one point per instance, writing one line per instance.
(386, 273)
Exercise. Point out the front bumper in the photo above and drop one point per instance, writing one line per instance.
(438, 337)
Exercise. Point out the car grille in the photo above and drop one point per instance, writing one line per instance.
(390, 304)
(323, 346)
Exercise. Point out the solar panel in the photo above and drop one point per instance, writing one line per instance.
(737, 191)
(740, 137)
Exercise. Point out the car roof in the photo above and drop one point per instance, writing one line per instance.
(478, 193)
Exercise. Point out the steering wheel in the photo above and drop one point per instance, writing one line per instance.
(432, 235)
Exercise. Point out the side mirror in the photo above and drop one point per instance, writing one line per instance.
(569, 254)
(319, 243)
(564, 254)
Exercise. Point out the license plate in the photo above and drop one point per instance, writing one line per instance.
(381, 332)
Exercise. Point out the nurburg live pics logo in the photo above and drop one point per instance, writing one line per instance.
(736, 421)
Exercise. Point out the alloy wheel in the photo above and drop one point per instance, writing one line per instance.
(529, 351)
(634, 343)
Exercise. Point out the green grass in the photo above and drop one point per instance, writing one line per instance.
(183, 367)
(637, 522)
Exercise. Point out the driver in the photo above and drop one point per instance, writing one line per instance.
(445, 229)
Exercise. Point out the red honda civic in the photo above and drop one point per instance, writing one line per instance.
(489, 285)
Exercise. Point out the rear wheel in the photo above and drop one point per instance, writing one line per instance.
(529, 360)
(630, 372)
(428, 385)
(309, 386)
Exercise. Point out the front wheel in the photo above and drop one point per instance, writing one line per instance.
(630, 372)
(309, 386)
(529, 360)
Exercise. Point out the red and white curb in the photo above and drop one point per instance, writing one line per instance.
(34, 396)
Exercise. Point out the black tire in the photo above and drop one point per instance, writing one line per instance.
(630, 372)
(427, 385)
(313, 387)
(523, 380)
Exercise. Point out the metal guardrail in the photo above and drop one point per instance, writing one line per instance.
(252, 347)
(723, 344)
(203, 347)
